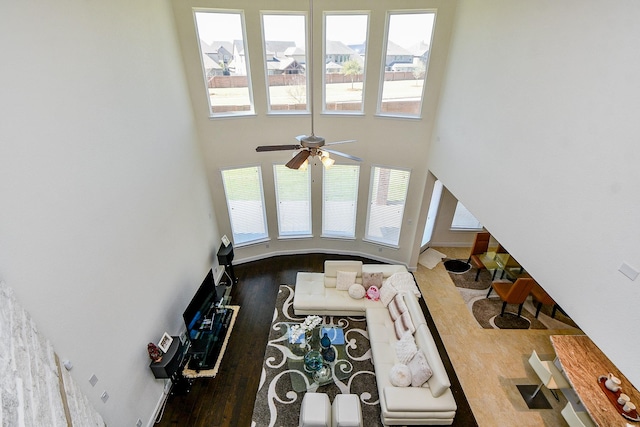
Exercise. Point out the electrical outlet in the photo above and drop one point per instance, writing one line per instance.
(139, 423)
(104, 396)
(93, 380)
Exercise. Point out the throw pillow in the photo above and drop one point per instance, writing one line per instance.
(400, 375)
(406, 348)
(400, 304)
(387, 292)
(344, 279)
(420, 369)
(403, 324)
(356, 291)
(393, 310)
(371, 279)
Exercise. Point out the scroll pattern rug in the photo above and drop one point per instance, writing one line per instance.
(486, 311)
(277, 404)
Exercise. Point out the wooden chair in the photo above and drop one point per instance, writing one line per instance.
(512, 293)
(543, 298)
(549, 374)
(480, 246)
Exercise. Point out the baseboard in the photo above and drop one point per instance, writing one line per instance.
(319, 251)
(159, 407)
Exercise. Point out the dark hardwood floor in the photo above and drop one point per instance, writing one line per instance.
(228, 399)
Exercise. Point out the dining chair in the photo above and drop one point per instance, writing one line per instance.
(543, 298)
(512, 293)
(576, 418)
(549, 374)
(480, 246)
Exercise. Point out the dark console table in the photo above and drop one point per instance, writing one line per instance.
(170, 367)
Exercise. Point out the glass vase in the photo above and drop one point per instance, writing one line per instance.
(313, 360)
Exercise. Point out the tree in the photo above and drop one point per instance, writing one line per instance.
(351, 68)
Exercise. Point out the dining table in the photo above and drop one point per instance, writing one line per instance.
(583, 363)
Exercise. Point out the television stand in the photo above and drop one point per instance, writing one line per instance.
(205, 350)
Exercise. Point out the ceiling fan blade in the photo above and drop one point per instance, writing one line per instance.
(298, 160)
(277, 147)
(338, 153)
(340, 142)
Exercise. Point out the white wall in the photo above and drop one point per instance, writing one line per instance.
(380, 141)
(538, 136)
(106, 222)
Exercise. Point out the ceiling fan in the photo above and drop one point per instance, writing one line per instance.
(310, 145)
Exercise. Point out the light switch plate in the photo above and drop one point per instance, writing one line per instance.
(628, 271)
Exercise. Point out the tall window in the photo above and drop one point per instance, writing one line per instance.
(404, 72)
(464, 220)
(293, 197)
(345, 48)
(339, 201)
(245, 202)
(284, 39)
(387, 197)
(225, 62)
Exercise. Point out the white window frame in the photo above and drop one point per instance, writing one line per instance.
(305, 16)
(265, 236)
(324, 65)
(282, 215)
(212, 115)
(379, 111)
(373, 239)
(331, 233)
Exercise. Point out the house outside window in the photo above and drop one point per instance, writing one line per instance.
(225, 63)
(405, 64)
(284, 40)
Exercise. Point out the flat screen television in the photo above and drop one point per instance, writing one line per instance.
(201, 304)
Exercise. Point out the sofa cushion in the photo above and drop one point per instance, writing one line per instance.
(372, 279)
(400, 375)
(356, 291)
(420, 370)
(331, 268)
(418, 400)
(344, 279)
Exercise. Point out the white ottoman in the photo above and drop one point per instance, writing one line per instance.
(346, 411)
(315, 410)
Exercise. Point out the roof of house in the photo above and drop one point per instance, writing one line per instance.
(397, 50)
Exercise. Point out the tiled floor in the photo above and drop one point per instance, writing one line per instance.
(489, 363)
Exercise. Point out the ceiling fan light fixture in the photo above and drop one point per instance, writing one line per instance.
(327, 161)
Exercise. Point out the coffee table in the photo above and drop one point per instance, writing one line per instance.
(340, 369)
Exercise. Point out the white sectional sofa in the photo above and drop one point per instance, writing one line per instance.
(431, 404)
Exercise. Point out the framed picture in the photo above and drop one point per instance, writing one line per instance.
(225, 240)
(165, 342)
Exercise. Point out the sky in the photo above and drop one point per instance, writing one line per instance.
(405, 29)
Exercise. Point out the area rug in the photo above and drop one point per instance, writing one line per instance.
(430, 258)
(277, 404)
(210, 373)
(456, 266)
(486, 311)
